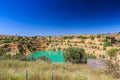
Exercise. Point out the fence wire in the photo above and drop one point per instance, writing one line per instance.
(40, 70)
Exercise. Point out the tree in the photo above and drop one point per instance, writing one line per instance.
(73, 54)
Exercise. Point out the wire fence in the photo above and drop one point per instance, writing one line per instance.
(93, 69)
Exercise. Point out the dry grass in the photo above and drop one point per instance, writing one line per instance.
(39, 70)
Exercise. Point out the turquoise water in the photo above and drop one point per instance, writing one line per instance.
(53, 55)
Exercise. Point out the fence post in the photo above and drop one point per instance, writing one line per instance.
(26, 75)
(52, 76)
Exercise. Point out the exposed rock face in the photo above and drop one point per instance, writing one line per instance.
(14, 48)
(92, 43)
(21, 44)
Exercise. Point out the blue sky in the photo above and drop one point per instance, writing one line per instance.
(56, 17)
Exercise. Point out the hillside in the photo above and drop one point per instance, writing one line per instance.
(96, 44)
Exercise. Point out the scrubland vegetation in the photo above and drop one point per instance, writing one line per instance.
(76, 48)
(14, 69)
(39, 70)
(96, 44)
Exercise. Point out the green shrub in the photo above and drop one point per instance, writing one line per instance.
(95, 47)
(68, 37)
(104, 48)
(75, 44)
(59, 48)
(107, 37)
(112, 52)
(68, 41)
(102, 56)
(105, 40)
(18, 57)
(113, 67)
(82, 41)
(70, 45)
(92, 37)
(82, 37)
(92, 56)
(98, 36)
(106, 44)
(20, 38)
(100, 43)
(75, 54)
(90, 42)
(21, 49)
(7, 40)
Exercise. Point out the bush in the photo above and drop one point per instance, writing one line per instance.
(105, 40)
(75, 44)
(7, 40)
(82, 41)
(68, 41)
(18, 57)
(20, 38)
(92, 37)
(92, 56)
(59, 48)
(106, 44)
(102, 56)
(107, 37)
(75, 55)
(68, 37)
(112, 52)
(104, 48)
(113, 67)
(82, 37)
(98, 36)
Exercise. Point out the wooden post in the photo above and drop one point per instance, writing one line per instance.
(52, 76)
(26, 72)
(26, 75)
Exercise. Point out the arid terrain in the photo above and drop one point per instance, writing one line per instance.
(96, 44)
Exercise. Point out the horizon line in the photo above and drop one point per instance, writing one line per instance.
(62, 34)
